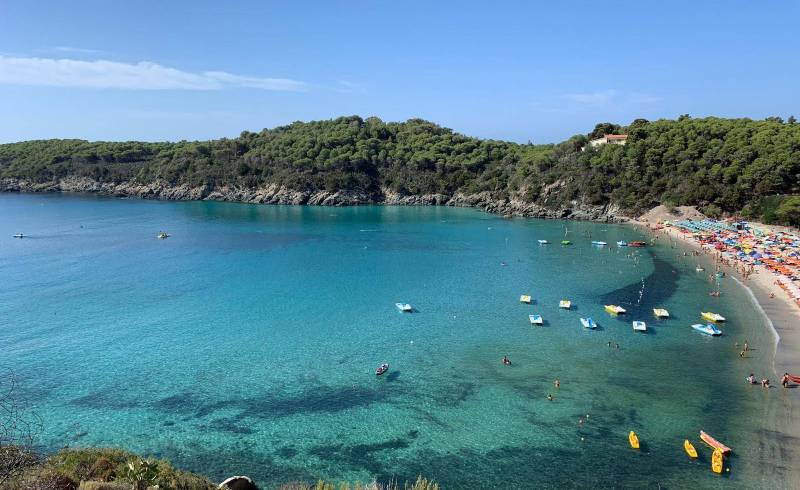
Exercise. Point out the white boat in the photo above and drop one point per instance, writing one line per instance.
(660, 313)
(639, 326)
(404, 307)
(588, 323)
(699, 269)
(615, 309)
(543, 242)
(598, 243)
(19, 235)
(712, 317)
(622, 243)
(565, 303)
(535, 319)
(525, 299)
(708, 329)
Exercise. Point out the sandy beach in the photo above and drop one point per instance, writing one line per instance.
(782, 317)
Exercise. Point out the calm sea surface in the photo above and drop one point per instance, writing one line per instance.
(246, 343)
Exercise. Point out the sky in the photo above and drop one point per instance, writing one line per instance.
(521, 71)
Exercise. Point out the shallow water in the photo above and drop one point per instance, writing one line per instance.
(246, 344)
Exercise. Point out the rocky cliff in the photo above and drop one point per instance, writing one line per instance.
(274, 194)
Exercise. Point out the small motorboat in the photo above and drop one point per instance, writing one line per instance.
(565, 303)
(689, 448)
(535, 319)
(712, 317)
(404, 307)
(717, 461)
(637, 244)
(698, 269)
(19, 235)
(525, 299)
(639, 326)
(566, 242)
(708, 329)
(660, 313)
(622, 243)
(615, 309)
(162, 235)
(633, 439)
(599, 243)
(381, 369)
(588, 323)
(543, 242)
(715, 443)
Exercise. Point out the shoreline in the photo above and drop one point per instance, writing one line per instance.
(780, 315)
(273, 194)
(779, 311)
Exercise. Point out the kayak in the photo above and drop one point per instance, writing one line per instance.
(633, 439)
(381, 369)
(716, 461)
(690, 450)
(715, 443)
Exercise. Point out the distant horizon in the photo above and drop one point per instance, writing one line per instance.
(512, 71)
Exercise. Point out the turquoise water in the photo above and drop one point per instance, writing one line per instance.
(246, 344)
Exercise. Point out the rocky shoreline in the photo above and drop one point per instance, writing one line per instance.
(275, 194)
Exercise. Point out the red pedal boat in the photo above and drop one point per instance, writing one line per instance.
(715, 443)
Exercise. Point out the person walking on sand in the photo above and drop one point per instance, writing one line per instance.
(785, 380)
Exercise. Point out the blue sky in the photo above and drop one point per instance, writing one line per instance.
(540, 71)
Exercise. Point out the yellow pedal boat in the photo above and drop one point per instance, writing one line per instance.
(633, 439)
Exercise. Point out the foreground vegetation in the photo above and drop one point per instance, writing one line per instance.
(721, 165)
(114, 469)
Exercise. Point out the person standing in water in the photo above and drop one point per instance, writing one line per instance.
(557, 383)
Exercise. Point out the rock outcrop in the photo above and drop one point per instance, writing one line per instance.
(275, 194)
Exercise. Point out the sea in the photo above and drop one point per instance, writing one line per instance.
(246, 343)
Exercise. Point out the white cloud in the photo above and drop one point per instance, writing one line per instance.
(592, 98)
(70, 49)
(348, 87)
(144, 75)
(640, 98)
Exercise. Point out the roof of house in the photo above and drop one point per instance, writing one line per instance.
(616, 136)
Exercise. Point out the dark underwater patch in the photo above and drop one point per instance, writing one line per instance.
(106, 399)
(659, 286)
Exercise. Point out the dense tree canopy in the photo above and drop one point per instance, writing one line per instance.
(725, 164)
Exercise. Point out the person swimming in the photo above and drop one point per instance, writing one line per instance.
(506, 360)
(550, 397)
(751, 379)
